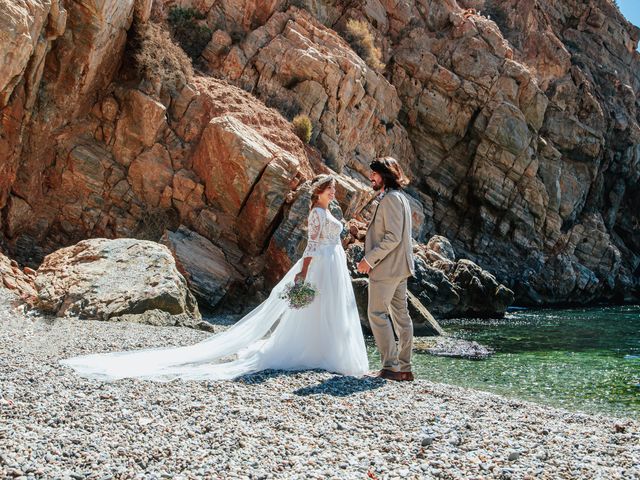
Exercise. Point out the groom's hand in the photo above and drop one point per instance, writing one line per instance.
(363, 266)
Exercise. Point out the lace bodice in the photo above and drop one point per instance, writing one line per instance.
(323, 229)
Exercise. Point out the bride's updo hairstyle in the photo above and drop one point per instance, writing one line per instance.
(318, 185)
(390, 171)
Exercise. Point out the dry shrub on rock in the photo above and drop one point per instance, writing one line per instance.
(153, 222)
(360, 38)
(302, 127)
(188, 32)
(159, 60)
(287, 105)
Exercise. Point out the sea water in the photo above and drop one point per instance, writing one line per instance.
(584, 359)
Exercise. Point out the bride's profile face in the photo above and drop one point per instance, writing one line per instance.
(329, 194)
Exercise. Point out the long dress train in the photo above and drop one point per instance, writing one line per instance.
(325, 335)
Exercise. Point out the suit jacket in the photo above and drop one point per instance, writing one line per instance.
(388, 246)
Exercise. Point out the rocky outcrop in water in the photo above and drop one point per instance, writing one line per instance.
(517, 121)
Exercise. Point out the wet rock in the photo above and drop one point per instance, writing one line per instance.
(446, 346)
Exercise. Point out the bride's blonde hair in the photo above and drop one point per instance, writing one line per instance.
(318, 185)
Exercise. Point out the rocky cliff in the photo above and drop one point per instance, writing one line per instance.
(516, 120)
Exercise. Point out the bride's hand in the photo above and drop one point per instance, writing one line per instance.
(300, 277)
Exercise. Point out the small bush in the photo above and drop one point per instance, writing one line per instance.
(191, 35)
(302, 127)
(285, 104)
(158, 59)
(153, 223)
(361, 40)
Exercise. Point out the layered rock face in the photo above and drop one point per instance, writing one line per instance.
(521, 119)
(101, 155)
(517, 122)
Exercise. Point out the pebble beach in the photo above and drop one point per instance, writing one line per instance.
(295, 425)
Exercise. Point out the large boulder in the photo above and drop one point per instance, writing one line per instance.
(103, 279)
(204, 265)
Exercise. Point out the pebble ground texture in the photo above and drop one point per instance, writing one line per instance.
(54, 424)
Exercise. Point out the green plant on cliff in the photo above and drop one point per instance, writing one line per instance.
(360, 38)
(158, 60)
(302, 127)
(192, 36)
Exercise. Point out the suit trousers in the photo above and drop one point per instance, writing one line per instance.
(387, 306)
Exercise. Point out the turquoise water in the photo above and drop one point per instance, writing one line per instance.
(578, 359)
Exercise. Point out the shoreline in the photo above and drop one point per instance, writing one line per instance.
(566, 306)
(274, 424)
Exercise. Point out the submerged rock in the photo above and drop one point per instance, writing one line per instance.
(107, 279)
(446, 346)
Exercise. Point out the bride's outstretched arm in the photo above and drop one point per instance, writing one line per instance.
(314, 228)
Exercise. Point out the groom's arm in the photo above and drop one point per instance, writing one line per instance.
(392, 216)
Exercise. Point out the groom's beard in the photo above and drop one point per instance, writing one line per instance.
(377, 186)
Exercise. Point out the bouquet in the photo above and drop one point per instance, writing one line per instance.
(299, 295)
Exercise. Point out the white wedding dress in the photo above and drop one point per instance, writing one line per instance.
(324, 335)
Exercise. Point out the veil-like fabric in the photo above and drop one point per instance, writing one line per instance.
(326, 334)
(192, 361)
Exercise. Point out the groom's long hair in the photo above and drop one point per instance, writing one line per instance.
(390, 171)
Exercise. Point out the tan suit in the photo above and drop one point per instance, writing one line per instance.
(389, 251)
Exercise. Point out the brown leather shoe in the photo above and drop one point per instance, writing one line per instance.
(404, 377)
(400, 376)
(384, 373)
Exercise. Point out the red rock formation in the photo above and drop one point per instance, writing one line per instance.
(517, 120)
(19, 282)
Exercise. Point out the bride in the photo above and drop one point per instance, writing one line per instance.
(326, 334)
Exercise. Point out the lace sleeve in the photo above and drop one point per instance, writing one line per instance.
(314, 227)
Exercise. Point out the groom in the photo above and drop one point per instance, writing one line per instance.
(389, 262)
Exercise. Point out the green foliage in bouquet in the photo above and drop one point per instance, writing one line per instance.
(299, 295)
